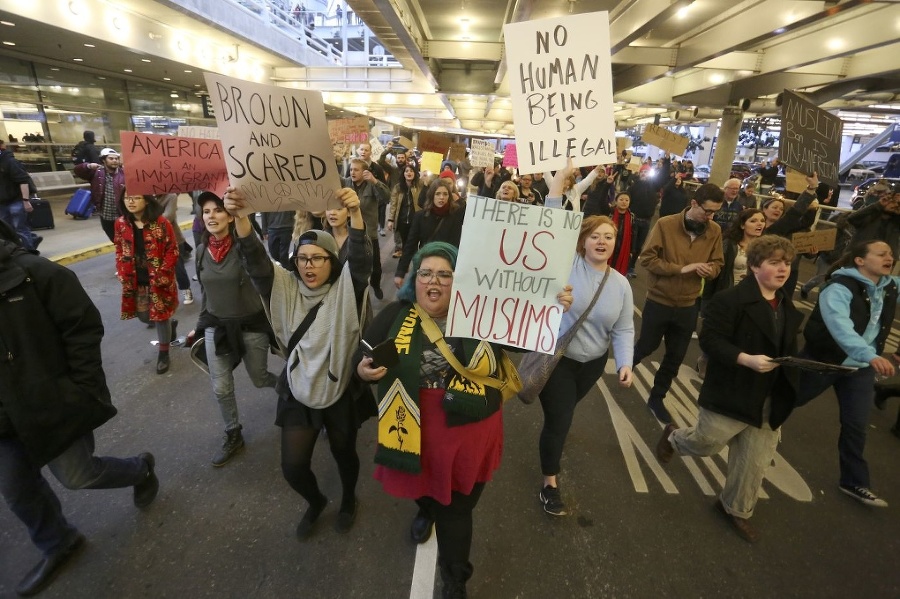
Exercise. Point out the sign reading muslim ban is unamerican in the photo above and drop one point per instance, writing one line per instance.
(810, 138)
(165, 164)
(513, 261)
(276, 145)
(561, 90)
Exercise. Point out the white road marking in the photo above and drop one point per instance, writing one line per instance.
(423, 573)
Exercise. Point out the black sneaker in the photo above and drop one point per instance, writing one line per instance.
(552, 500)
(863, 495)
(233, 443)
(658, 408)
(146, 490)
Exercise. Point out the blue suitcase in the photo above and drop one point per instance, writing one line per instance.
(80, 206)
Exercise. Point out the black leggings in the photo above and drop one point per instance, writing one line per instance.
(453, 523)
(297, 445)
(568, 383)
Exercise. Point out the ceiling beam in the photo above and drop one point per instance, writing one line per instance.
(640, 17)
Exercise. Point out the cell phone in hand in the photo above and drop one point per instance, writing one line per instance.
(383, 354)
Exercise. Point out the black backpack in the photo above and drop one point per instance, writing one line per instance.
(79, 153)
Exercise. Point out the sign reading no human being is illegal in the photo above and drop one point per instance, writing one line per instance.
(561, 90)
(276, 145)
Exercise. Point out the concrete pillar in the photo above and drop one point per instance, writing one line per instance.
(726, 143)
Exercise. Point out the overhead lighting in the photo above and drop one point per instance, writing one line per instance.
(7, 23)
(835, 43)
(90, 46)
(76, 7)
(146, 60)
(167, 78)
(78, 59)
(188, 71)
(683, 12)
(128, 70)
(9, 43)
(173, 95)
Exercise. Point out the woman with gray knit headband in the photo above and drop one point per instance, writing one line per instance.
(314, 312)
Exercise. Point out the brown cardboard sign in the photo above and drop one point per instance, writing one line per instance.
(430, 141)
(665, 139)
(820, 240)
(457, 152)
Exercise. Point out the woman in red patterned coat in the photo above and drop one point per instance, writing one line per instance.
(146, 254)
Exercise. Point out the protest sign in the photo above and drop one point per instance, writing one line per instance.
(343, 133)
(510, 155)
(276, 144)
(377, 148)
(198, 132)
(820, 240)
(430, 141)
(482, 153)
(633, 163)
(561, 91)
(431, 162)
(406, 143)
(810, 138)
(794, 180)
(665, 139)
(457, 152)
(166, 164)
(513, 261)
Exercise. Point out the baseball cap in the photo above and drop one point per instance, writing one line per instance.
(108, 152)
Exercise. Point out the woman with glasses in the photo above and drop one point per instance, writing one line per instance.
(440, 437)
(232, 320)
(146, 254)
(441, 219)
(315, 315)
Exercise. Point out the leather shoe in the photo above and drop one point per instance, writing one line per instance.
(664, 449)
(162, 362)
(421, 527)
(46, 570)
(146, 490)
(741, 526)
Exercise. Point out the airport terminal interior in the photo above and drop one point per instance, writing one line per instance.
(714, 73)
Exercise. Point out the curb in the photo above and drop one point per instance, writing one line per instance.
(98, 250)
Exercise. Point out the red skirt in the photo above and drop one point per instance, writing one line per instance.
(453, 458)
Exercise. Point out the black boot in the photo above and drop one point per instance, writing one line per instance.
(454, 576)
(162, 362)
(884, 392)
(233, 442)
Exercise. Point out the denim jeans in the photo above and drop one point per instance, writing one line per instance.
(750, 451)
(675, 325)
(855, 393)
(33, 501)
(640, 229)
(15, 216)
(256, 363)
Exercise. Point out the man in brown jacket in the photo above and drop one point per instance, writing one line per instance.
(681, 251)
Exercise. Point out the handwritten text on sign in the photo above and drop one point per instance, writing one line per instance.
(810, 138)
(561, 89)
(513, 261)
(276, 144)
(482, 153)
(165, 164)
(665, 139)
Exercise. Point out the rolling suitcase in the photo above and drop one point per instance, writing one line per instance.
(80, 206)
(42, 216)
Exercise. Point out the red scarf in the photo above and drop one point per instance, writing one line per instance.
(441, 210)
(219, 248)
(622, 252)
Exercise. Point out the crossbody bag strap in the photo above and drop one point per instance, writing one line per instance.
(570, 334)
(304, 326)
(434, 335)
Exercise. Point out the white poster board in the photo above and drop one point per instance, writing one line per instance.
(561, 90)
(276, 144)
(377, 148)
(481, 153)
(198, 132)
(513, 261)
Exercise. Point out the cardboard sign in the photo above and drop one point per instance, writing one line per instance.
(510, 156)
(431, 162)
(276, 144)
(810, 138)
(377, 148)
(482, 153)
(165, 164)
(406, 143)
(344, 133)
(820, 240)
(633, 163)
(794, 180)
(561, 91)
(665, 139)
(198, 132)
(430, 141)
(513, 261)
(457, 152)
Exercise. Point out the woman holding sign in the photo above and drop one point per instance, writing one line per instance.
(440, 436)
(595, 325)
(315, 315)
(441, 219)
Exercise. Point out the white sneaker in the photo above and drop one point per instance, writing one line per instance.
(864, 495)
(188, 297)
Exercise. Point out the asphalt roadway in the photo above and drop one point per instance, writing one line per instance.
(638, 529)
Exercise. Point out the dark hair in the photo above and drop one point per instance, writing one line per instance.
(848, 258)
(429, 195)
(764, 247)
(152, 211)
(404, 187)
(205, 199)
(735, 231)
(709, 192)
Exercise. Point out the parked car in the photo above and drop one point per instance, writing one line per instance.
(859, 192)
(859, 171)
(701, 173)
(740, 170)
